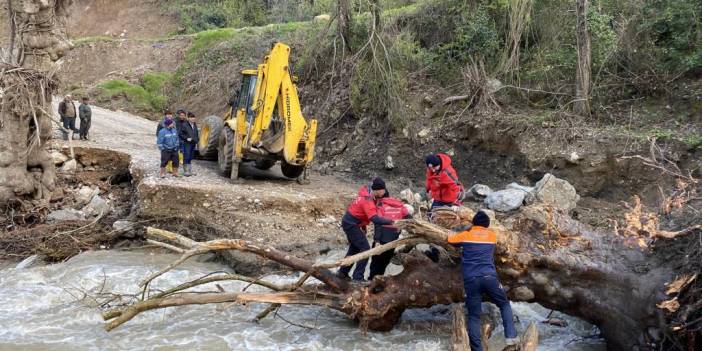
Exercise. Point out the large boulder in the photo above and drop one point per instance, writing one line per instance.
(479, 191)
(556, 192)
(69, 166)
(505, 200)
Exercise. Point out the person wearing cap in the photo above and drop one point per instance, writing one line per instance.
(169, 143)
(442, 183)
(480, 277)
(360, 213)
(189, 138)
(67, 110)
(167, 115)
(85, 114)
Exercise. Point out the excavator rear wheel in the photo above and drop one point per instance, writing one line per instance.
(225, 151)
(210, 130)
(291, 171)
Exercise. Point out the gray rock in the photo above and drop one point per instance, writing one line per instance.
(85, 194)
(123, 225)
(423, 133)
(527, 189)
(556, 192)
(389, 165)
(479, 191)
(69, 166)
(64, 215)
(58, 157)
(523, 293)
(505, 200)
(96, 207)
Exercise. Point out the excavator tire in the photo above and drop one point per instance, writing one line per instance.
(225, 151)
(209, 137)
(264, 164)
(291, 171)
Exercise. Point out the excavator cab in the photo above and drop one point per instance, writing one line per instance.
(264, 123)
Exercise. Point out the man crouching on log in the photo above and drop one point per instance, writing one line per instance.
(361, 212)
(480, 276)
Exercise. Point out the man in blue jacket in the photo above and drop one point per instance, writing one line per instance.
(168, 142)
(480, 277)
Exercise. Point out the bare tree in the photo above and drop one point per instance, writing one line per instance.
(583, 75)
(344, 13)
(37, 40)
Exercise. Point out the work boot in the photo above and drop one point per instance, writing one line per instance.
(190, 169)
(175, 172)
(162, 173)
(186, 170)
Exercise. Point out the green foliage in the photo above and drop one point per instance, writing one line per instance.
(475, 35)
(148, 95)
(675, 32)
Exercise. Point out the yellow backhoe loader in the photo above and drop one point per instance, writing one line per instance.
(264, 122)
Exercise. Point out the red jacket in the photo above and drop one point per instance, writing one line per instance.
(392, 209)
(442, 187)
(363, 207)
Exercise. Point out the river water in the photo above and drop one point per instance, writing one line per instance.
(52, 308)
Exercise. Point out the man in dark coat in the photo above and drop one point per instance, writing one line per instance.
(85, 114)
(189, 138)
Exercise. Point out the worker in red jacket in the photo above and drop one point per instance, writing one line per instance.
(393, 209)
(442, 183)
(361, 212)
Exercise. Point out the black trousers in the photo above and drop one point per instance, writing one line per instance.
(84, 127)
(357, 244)
(380, 262)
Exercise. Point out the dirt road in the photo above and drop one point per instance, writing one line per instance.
(265, 207)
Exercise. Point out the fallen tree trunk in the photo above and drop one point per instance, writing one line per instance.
(542, 256)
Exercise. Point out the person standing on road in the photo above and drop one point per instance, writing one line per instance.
(189, 138)
(392, 209)
(85, 114)
(67, 110)
(480, 277)
(361, 212)
(180, 119)
(169, 143)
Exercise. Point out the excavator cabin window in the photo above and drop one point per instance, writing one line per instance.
(248, 89)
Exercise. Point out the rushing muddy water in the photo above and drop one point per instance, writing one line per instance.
(50, 308)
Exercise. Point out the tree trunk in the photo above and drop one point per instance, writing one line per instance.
(375, 11)
(26, 169)
(344, 26)
(542, 256)
(583, 75)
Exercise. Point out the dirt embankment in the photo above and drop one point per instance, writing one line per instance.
(120, 19)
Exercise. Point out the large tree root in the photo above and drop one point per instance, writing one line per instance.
(542, 256)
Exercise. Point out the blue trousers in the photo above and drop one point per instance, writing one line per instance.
(188, 153)
(357, 244)
(475, 287)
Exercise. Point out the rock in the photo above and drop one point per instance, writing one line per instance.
(58, 157)
(428, 100)
(423, 133)
(32, 261)
(389, 165)
(123, 225)
(69, 166)
(450, 153)
(327, 220)
(479, 191)
(65, 215)
(85, 194)
(529, 197)
(89, 169)
(556, 192)
(573, 158)
(322, 17)
(97, 206)
(522, 293)
(505, 200)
